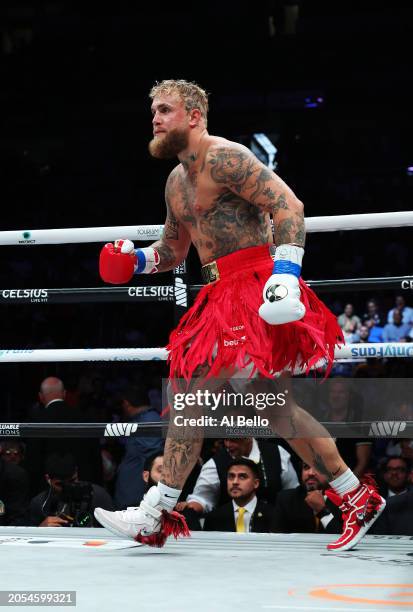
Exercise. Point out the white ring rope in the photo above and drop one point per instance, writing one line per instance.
(153, 232)
(377, 350)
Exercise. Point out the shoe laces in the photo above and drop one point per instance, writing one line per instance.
(364, 515)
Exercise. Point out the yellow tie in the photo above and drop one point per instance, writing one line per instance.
(240, 520)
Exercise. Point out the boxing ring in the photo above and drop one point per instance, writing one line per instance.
(209, 571)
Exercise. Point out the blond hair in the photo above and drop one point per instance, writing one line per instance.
(192, 95)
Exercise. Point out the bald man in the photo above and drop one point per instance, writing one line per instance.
(52, 390)
(54, 409)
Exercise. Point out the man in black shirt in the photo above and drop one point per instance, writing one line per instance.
(68, 501)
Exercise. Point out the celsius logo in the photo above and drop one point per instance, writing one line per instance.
(385, 429)
(27, 238)
(181, 298)
(35, 295)
(163, 292)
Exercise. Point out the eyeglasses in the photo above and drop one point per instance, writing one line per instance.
(396, 469)
(12, 452)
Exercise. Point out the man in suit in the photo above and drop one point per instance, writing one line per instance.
(397, 516)
(53, 409)
(244, 512)
(394, 472)
(276, 470)
(306, 509)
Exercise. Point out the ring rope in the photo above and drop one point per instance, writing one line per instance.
(153, 232)
(166, 293)
(353, 429)
(378, 350)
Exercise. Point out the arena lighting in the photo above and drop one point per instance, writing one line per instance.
(409, 170)
(264, 149)
(313, 101)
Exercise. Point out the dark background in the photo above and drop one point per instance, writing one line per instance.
(75, 123)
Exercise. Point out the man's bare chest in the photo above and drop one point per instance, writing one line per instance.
(193, 198)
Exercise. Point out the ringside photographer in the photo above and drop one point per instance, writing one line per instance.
(67, 502)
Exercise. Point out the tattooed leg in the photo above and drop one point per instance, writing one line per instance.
(184, 443)
(309, 439)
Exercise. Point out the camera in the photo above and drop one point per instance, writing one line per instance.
(76, 498)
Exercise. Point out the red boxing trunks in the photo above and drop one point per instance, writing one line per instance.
(223, 328)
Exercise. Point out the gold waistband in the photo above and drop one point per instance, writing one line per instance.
(210, 272)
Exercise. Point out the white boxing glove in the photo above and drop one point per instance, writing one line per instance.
(281, 293)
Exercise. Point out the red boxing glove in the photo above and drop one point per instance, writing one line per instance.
(116, 267)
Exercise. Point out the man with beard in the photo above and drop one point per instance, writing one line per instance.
(245, 512)
(254, 316)
(152, 470)
(306, 509)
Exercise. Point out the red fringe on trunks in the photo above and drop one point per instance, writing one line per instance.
(223, 328)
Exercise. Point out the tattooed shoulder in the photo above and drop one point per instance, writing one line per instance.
(230, 165)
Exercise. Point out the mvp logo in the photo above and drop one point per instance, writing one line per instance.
(385, 429)
(117, 430)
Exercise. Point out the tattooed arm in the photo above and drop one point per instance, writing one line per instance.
(234, 166)
(174, 245)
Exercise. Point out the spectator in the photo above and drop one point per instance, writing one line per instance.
(373, 317)
(365, 334)
(130, 486)
(67, 501)
(13, 451)
(343, 405)
(406, 312)
(244, 513)
(397, 516)
(397, 331)
(55, 410)
(395, 475)
(152, 469)
(306, 508)
(348, 321)
(400, 448)
(14, 493)
(277, 472)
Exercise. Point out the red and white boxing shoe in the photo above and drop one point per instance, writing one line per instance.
(148, 523)
(360, 508)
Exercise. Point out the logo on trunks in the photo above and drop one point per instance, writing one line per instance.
(181, 297)
(386, 429)
(235, 341)
(35, 295)
(162, 292)
(26, 238)
(275, 293)
(9, 429)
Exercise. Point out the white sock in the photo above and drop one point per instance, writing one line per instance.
(345, 483)
(169, 496)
